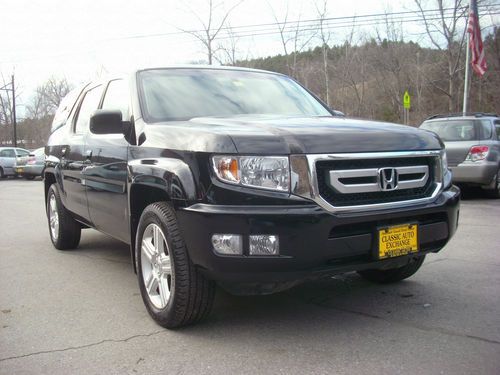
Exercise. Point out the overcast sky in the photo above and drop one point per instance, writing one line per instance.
(81, 39)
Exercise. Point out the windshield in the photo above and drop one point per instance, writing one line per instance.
(182, 94)
(452, 130)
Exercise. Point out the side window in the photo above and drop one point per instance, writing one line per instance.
(65, 108)
(487, 133)
(8, 153)
(497, 127)
(22, 153)
(117, 97)
(89, 105)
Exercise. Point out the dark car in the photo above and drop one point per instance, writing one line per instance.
(242, 178)
(472, 146)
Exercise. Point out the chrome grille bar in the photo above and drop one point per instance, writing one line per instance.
(306, 179)
(338, 179)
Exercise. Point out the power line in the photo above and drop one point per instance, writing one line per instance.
(446, 12)
(310, 25)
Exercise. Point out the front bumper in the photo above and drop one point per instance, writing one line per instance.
(479, 173)
(313, 242)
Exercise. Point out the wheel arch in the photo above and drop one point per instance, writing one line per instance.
(48, 179)
(157, 180)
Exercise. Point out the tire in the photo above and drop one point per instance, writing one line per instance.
(64, 230)
(494, 193)
(174, 291)
(29, 177)
(395, 274)
(2, 174)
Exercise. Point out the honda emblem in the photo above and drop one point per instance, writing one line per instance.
(388, 179)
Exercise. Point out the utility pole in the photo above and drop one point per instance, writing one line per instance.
(14, 120)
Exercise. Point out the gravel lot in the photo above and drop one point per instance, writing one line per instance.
(81, 312)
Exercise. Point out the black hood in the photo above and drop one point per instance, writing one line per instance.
(292, 135)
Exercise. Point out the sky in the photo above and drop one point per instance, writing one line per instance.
(83, 39)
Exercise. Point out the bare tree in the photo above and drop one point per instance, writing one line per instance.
(228, 51)
(445, 34)
(47, 97)
(301, 39)
(324, 36)
(6, 102)
(294, 33)
(284, 38)
(211, 27)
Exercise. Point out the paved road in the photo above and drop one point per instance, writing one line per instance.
(81, 312)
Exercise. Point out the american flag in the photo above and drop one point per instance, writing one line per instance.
(478, 60)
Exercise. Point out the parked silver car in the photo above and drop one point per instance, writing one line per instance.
(472, 147)
(10, 158)
(34, 166)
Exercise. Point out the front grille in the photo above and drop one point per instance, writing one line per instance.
(338, 199)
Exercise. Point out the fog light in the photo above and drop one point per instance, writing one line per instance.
(264, 244)
(227, 244)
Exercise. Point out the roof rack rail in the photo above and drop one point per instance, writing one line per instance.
(475, 114)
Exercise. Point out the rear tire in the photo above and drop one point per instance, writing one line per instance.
(395, 274)
(494, 193)
(174, 291)
(29, 177)
(64, 230)
(2, 175)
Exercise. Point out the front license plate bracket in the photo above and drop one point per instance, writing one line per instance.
(397, 240)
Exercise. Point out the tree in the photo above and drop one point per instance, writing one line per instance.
(228, 51)
(324, 36)
(444, 34)
(47, 98)
(6, 101)
(295, 33)
(211, 27)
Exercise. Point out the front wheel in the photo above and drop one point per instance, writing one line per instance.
(394, 274)
(174, 291)
(64, 230)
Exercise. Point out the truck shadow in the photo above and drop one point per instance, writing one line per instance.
(309, 308)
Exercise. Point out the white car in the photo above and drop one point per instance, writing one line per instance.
(10, 158)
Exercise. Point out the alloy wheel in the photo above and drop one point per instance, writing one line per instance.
(156, 266)
(53, 217)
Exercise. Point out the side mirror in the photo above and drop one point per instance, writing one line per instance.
(338, 113)
(104, 121)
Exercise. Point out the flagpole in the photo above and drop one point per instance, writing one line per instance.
(467, 69)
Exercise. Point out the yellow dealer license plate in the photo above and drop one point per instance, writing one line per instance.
(397, 241)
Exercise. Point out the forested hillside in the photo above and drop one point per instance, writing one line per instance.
(369, 80)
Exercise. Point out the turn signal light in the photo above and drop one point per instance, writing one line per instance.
(227, 168)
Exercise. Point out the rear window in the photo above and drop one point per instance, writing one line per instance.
(453, 130)
(38, 152)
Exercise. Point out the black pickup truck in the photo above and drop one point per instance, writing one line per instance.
(242, 178)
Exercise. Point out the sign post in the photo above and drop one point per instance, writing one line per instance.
(406, 106)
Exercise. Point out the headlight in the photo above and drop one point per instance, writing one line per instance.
(264, 172)
(445, 172)
(444, 162)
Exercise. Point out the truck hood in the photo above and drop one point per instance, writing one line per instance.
(295, 135)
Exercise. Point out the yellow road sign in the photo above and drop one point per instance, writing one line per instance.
(406, 100)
